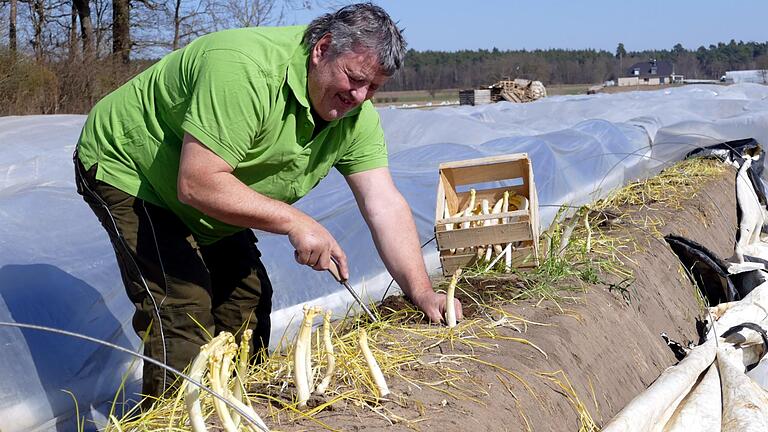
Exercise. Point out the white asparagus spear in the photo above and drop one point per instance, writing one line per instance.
(196, 372)
(249, 411)
(520, 202)
(446, 215)
(459, 214)
(192, 393)
(471, 207)
(329, 356)
(301, 368)
(589, 230)
(242, 369)
(308, 359)
(218, 365)
(450, 306)
(488, 222)
(485, 209)
(242, 361)
(373, 366)
(496, 209)
(505, 205)
(488, 253)
(508, 249)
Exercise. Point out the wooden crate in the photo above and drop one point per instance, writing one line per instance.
(475, 97)
(480, 174)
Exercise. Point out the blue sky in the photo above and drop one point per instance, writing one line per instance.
(599, 24)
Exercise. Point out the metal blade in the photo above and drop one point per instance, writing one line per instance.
(359, 301)
(334, 270)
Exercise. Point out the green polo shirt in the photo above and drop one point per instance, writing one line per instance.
(243, 94)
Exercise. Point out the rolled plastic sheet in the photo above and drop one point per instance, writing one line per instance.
(745, 404)
(695, 412)
(652, 409)
(673, 400)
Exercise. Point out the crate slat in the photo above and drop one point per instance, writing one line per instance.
(512, 157)
(516, 216)
(491, 172)
(521, 258)
(484, 235)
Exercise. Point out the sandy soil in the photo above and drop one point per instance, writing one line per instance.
(603, 345)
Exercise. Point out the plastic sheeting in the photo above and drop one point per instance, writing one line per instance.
(57, 267)
(684, 398)
(759, 76)
(717, 386)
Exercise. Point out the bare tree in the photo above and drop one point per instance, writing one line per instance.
(37, 15)
(253, 13)
(158, 26)
(12, 27)
(73, 32)
(102, 26)
(43, 25)
(153, 33)
(83, 9)
(190, 21)
(121, 30)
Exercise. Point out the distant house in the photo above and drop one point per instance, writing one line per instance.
(651, 72)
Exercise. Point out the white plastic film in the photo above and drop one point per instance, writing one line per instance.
(57, 267)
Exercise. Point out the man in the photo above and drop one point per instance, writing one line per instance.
(222, 136)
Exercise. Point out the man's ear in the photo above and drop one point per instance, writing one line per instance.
(321, 48)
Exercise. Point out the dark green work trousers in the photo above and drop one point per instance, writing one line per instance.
(181, 290)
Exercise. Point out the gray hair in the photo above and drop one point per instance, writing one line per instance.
(360, 25)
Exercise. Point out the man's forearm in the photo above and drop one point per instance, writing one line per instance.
(394, 233)
(224, 197)
(206, 183)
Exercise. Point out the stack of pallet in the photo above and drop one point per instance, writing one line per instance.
(475, 97)
(518, 90)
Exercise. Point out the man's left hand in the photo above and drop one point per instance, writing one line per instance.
(433, 305)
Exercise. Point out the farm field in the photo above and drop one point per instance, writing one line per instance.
(563, 347)
(451, 96)
(560, 349)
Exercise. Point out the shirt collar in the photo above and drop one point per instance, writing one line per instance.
(297, 75)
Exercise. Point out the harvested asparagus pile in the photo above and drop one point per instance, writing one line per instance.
(346, 366)
(303, 373)
(219, 358)
(486, 253)
(216, 358)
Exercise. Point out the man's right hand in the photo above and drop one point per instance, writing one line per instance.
(315, 246)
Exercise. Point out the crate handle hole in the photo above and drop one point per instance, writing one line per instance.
(508, 183)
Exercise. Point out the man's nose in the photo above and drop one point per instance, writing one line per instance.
(359, 94)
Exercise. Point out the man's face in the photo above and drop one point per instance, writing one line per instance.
(337, 85)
